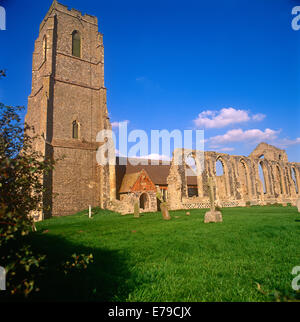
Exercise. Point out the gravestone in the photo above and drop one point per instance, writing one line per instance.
(298, 204)
(165, 211)
(136, 210)
(163, 205)
(212, 215)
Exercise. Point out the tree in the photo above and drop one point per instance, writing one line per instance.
(21, 192)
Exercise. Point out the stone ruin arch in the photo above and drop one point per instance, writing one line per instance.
(222, 182)
(240, 182)
(244, 176)
(144, 201)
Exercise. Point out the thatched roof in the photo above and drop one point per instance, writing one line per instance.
(128, 181)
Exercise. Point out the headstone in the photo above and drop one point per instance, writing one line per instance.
(136, 210)
(163, 205)
(212, 215)
(298, 204)
(165, 211)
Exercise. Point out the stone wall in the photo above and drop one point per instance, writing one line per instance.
(240, 183)
(126, 203)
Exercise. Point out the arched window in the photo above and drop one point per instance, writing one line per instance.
(293, 175)
(279, 178)
(262, 176)
(243, 177)
(219, 168)
(75, 132)
(76, 44)
(44, 48)
(191, 176)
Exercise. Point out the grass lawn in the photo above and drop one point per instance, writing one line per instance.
(148, 259)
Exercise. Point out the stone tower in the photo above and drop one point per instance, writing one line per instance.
(67, 107)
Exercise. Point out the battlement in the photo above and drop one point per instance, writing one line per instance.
(56, 6)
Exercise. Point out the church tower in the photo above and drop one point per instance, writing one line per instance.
(67, 107)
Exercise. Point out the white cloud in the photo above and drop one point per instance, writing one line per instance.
(154, 156)
(117, 124)
(238, 135)
(284, 143)
(258, 117)
(226, 116)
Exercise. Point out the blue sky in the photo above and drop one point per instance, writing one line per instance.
(229, 67)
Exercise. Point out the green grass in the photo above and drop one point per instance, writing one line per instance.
(148, 259)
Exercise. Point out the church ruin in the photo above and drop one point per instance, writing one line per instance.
(241, 183)
(67, 107)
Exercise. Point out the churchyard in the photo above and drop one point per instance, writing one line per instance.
(247, 257)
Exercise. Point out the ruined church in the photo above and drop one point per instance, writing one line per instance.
(67, 107)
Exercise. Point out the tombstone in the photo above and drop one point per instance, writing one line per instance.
(298, 204)
(136, 210)
(163, 205)
(212, 215)
(165, 211)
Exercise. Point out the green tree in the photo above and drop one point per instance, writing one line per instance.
(21, 191)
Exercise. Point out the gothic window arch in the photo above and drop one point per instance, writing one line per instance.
(262, 175)
(294, 178)
(244, 177)
(191, 174)
(76, 44)
(279, 176)
(220, 168)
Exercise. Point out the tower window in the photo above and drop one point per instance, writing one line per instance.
(76, 44)
(75, 133)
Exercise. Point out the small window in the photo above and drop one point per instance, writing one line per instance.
(76, 44)
(75, 133)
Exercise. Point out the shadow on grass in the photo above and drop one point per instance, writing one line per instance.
(104, 280)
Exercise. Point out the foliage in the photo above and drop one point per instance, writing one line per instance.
(22, 170)
(21, 187)
(77, 263)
